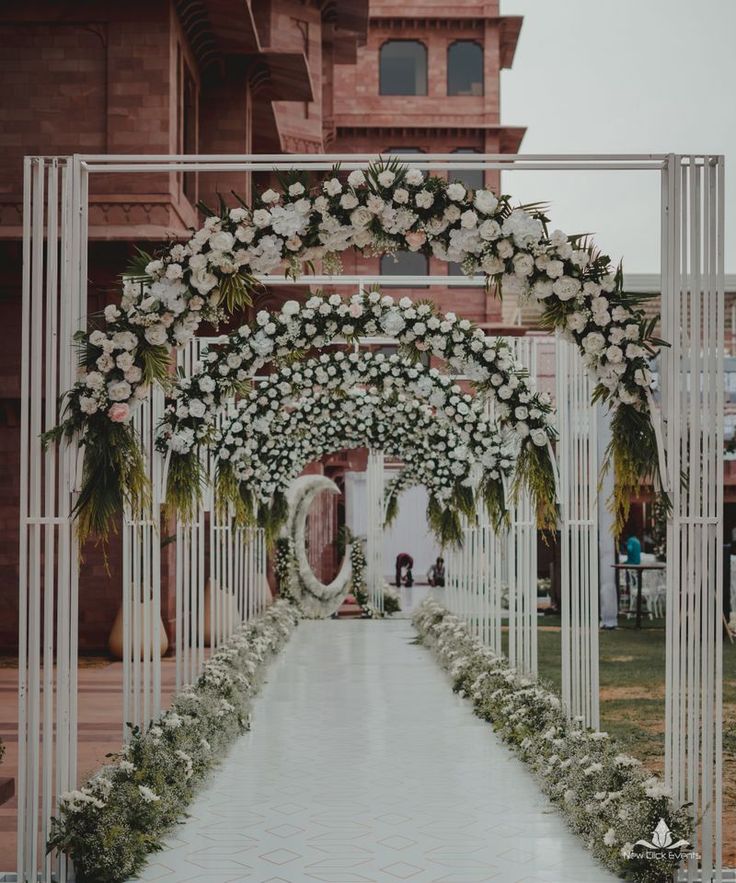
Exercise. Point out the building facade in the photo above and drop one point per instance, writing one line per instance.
(219, 77)
(154, 77)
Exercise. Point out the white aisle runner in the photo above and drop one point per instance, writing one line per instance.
(363, 766)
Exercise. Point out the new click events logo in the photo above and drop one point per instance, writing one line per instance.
(663, 845)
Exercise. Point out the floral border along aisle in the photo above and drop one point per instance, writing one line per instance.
(605, 795)
(110, 825)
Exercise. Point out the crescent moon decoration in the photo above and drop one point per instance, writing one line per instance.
(316, 599)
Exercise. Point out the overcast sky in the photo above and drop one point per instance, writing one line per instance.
(621, 76)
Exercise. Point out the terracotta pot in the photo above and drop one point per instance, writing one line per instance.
(115, 641)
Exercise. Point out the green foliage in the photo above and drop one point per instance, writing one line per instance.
(113, 476)
(535, 472)
(112, 823)
(185, 482)
(633, 453)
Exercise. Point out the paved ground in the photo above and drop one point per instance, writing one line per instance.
(363, 766)
(100, 728)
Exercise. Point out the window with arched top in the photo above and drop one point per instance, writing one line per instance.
(403, 68)
(465, 68)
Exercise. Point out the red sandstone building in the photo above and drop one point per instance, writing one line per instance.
(220, 77)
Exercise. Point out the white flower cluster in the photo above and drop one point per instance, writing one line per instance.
(605, 796)
(489, 363)
(264, 424)
(150, 784)
(318, 424)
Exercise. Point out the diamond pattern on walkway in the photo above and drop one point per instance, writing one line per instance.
(363, 767)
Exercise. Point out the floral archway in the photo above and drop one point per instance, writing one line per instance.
(321, 425)
(305, 409)
(389, 207)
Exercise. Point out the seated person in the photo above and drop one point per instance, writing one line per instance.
(436, 575)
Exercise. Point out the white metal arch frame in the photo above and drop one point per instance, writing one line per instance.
(55, 249)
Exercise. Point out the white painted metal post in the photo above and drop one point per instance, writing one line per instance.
(374, 533)
(692, 409)
(578, 465)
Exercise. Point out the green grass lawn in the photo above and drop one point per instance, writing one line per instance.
(632, 678)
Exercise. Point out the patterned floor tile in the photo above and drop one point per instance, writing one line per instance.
(363, 767)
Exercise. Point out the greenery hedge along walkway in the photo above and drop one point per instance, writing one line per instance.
(123, 812)
(605, 795)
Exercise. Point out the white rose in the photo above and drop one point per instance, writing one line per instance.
(156, 334)
(401, 196)
(361, 217)
(539, 437)
(197, 408)
(222, 241)
(124, 340)
(566, 287)
(88, 405)
(296, 189)
(414, 177)
(332, 187)
(348, 201)
(424, 199)
(270, 196)
(386, 178)
(542, 288)
(485, 201)
(154, 268)
(203, 281)
(614, 354)
(576, 322)
(356, 178)
(594, 343)
(174, 271)
(456, 192)
(112, 312)
(489, 230)
(119, 391)
(238, 214)
(554, 269)
(468, 219)
(523, 264)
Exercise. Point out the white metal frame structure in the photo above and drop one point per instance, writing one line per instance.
(55, 248)
(375, 505)
(521, 556)
(692, 409)
(142, 583)
(577, 459)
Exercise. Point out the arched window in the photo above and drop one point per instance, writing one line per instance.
(405, 263)
(403, 68)
(473, 179)
(465, 68)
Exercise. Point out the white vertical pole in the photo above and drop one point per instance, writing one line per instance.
(577, 459)
(692, 408)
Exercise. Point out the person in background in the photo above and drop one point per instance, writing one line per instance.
(409, 576)
(403, 559)
(436, 575)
